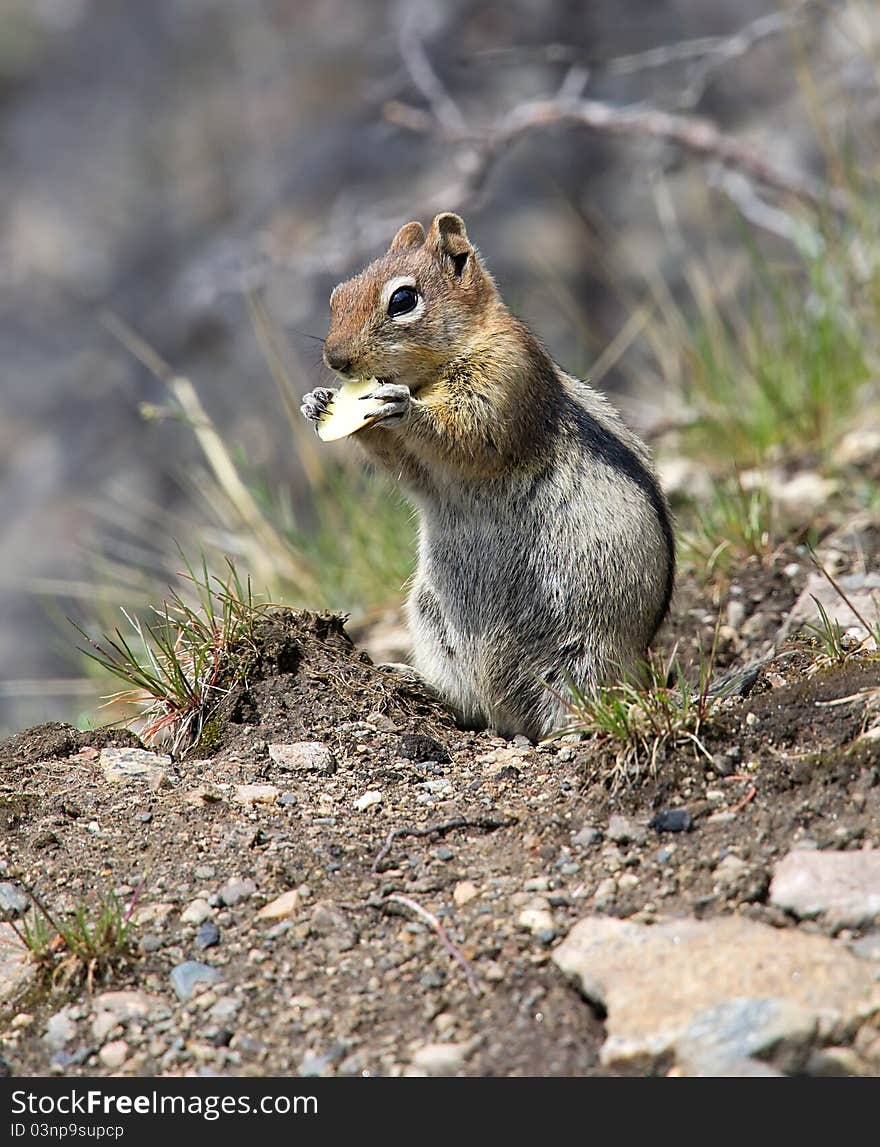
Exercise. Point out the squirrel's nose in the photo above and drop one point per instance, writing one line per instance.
(337, 359)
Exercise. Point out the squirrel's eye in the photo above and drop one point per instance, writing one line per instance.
(403, 300)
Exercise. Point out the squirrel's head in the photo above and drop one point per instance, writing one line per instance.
(414, 310)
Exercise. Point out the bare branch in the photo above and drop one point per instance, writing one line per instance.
(431, 919)
(490, 823)
(422, 74)
(698, 136)
(702, 55)
(773, 220)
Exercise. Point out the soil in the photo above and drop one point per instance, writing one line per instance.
(467, 831)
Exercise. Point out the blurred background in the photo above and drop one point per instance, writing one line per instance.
(184, 181)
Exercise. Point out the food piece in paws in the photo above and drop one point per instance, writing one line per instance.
(350, 410)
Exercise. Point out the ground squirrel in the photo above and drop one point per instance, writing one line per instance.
(546, 553)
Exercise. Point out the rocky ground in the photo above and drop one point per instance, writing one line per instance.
(347, 884)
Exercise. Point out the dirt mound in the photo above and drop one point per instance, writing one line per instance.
(307, 681)
(56, 741)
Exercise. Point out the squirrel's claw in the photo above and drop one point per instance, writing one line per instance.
(396, 399)
(315, 403)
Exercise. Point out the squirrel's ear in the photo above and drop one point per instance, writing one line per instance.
(409, 235)
(449, 242)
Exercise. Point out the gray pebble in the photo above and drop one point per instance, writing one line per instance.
(672, 820)
(235, 890)
(208, 936)
(60, 1029)
(622, 830)
(312, 1064)
(188, 976)
(13, 900)
(586, 836)
(433, 978)
(150, 942)
(288, 799)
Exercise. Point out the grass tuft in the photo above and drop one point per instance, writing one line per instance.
(633, 725)
(737, 522)
(179, 669)
(82, 947)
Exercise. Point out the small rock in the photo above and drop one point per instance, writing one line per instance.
(844, 887)
(312, 756)
(368, 800)
(585, 836)
(208, 936)
(837, 1061)
(439, 787)
(535, 920)
(313, 1065)
(804, 493)
(225, 1010)
(113, 1055)
(464, 892)
(441, 1058)
(624, 831)
(537, 884)
(196, 912)
(606, 891)
(60, 1030)
(684, 476)
(730, 871)
(329, 922)
(862, 589)
(235, 890)
(856, 447)
(126, 765)
(283, 906)
(418, 747)
(256, 794)
(13, 900)
(115, 1008)
(433, 978)
(672, 820)
(191, 976)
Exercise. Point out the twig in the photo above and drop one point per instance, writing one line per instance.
(739, 190)
(741, 804)
(422, 74)
(434, 923)
(702, 55)
(705, 55)
(699, 136)
(488, 822)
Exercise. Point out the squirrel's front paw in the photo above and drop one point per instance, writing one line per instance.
(315, 403)
(395, 399)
